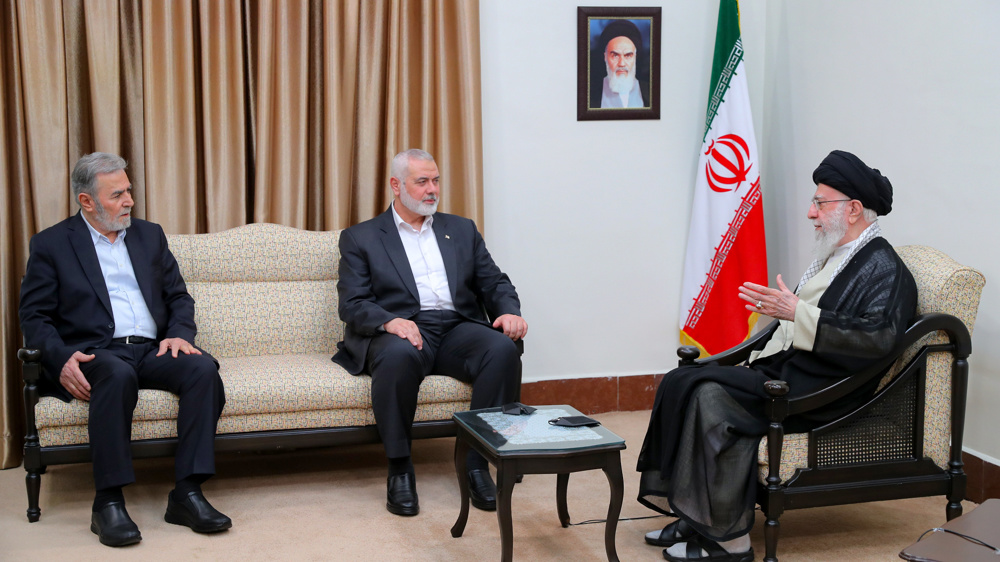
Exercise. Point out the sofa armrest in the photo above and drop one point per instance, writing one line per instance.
(31, 372)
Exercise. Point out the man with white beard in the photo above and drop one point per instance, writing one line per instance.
(849, 311)
(621, 89)
(103, 300)
(414, 286)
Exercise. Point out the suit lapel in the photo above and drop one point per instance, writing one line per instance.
(137, 255)
(397, 254)
(445, 243)
(83, 244)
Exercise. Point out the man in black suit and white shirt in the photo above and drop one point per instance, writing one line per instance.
(104, 301)
(413, 286)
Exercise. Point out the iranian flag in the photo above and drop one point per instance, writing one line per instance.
(726, 244)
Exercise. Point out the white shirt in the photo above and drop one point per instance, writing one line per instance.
(426, 263)
(132, 317)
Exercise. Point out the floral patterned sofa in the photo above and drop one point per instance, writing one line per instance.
(266, 308)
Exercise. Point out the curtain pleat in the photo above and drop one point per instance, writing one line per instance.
(132, 112)
(172, 131)
(340, 77)
(16, 224)
(369, 183)
(44, 84)
(101, 32)
(228, 112)
(282, 104)
(224, 115)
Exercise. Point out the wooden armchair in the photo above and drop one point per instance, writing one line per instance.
(905, 442)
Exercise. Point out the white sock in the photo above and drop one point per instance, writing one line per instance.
(739, 544)
(680, 550)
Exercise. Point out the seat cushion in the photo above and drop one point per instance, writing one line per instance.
(268, 392)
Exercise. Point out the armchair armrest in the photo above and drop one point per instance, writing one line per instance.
(733, 356)
(960, 344)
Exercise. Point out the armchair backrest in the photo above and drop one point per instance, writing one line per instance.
(945, 286)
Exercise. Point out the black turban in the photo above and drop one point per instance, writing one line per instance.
(847, 174)
(621, 28)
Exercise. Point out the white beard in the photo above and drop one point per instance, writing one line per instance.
(109, 223)
(830, 235)
(620, 84)
(418, 207)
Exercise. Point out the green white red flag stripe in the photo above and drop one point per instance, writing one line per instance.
(726, 244)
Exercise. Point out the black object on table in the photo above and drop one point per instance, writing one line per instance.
(528, 444)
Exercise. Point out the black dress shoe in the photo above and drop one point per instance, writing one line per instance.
(194, 511)
(113, 526)
(482, 490)
(401, 495)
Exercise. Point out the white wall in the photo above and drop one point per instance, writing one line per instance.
(914, 93)
(590, 218)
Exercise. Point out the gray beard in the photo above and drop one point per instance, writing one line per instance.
(620, 84)
(418, 207)
(828, 238)
(109, 223)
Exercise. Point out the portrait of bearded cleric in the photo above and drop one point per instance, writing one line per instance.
(619, 70)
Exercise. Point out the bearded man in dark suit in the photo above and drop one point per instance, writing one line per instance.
(104, 301)
(413, 287)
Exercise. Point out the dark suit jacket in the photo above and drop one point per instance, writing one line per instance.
(65, 306)
(376, 283)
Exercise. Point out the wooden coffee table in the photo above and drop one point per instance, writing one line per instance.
(527, 444)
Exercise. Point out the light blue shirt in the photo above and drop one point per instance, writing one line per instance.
(132, 317)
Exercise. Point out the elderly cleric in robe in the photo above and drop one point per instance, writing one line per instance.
(848, 311)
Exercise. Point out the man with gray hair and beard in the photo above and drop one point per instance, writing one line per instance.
(414, 285)
(621, 89)
(849, 311)
(103, 300)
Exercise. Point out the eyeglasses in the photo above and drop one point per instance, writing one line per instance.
(818, 203)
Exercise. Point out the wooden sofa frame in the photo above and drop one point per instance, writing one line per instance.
(38, 458)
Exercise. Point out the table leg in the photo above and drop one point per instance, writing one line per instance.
(461, 451)
(562, 482)
(613, 470)
(505, 487)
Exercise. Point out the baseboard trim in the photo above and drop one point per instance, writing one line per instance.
(983, 478)
(595, 395)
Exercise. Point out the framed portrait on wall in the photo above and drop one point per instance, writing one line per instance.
(618, 63)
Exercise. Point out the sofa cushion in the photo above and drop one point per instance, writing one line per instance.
(262, 393)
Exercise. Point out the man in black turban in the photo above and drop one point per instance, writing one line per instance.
(848, 312)
(620, 45)
(847, 174)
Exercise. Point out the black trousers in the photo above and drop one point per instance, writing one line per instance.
(452, 346)
(117, 373)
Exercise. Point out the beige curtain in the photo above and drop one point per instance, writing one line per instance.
(228, 112)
